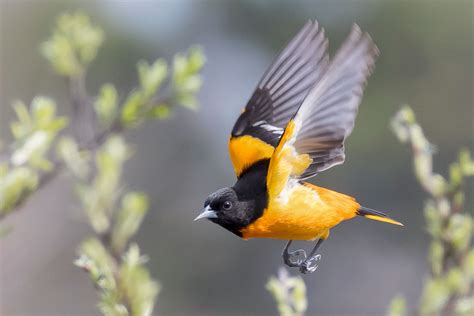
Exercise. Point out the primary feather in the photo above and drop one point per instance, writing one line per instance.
(278, 95)
(327, 115)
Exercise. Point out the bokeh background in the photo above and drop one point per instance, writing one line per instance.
(426, 61)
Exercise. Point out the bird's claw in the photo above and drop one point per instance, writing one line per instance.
(288, 256)
(310, 264)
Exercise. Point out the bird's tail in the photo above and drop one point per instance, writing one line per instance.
(376, 216)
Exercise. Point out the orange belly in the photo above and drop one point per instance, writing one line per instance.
(302, 212)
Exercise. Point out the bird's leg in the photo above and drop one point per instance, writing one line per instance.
(288, 255)
(309, 265)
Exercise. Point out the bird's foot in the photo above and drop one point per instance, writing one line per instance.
(310, 264)
(299, 257)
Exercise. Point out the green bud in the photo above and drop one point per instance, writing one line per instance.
(131, 111)
(397, 307)
(161, 111)
(24, 126)
(458, 199)
(59, 51)
(15, 186)
(435, 296)
(44, 111)
(73, 45)
(151, 76)
(189, 101)
(407, 114)
(464, 306)
(468, 265)
(457, 281)
(96, 206)
(99, 199)
(459, 231)
(455, 174)
(68, 150)
(289, 294)
(197, 59)
(33, 149)
(134, 208)
(95, 260)
(186, 78)
(136, 283)
(436, 254)
(3, 169)
(106, 104)
(433, 219)
(466, 163)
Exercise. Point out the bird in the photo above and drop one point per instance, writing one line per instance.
(292, 128)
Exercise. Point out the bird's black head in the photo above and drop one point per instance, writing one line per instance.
(223, 207)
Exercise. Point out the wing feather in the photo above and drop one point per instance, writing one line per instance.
(279, 94)
(315, 135)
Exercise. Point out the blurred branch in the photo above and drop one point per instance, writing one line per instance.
(72, 47)
(449, 290)
(95, 154)
(289, 293)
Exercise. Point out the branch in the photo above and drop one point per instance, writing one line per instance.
(451, 255)
(115, 266)
(289, 293)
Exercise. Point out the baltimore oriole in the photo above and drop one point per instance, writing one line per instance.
(292, 128)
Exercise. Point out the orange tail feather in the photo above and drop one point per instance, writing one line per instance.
(377, 216)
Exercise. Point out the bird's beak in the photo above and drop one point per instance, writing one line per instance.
(207, 212)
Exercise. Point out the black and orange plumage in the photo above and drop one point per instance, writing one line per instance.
(293, 127)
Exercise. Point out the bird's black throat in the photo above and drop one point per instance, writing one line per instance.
(252, 194)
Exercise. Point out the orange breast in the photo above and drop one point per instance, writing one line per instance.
(302, 212)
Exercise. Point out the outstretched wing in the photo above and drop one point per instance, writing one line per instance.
(313, 140)
(277, 97)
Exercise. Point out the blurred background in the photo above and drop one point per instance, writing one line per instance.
(426, 61)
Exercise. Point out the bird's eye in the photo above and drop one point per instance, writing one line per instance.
(227, 205)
